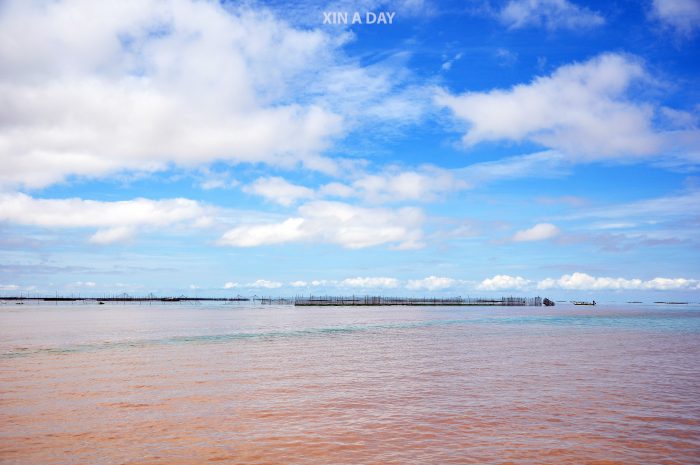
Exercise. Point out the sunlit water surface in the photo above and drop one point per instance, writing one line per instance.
(191, 384)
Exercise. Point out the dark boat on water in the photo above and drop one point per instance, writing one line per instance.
(584, 303)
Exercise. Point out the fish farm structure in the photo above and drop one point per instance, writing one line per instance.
(417, 301)
(342, 301)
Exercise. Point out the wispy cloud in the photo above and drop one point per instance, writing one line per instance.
(279, 190)
(551, 14)
(422, 184)
(652, 209)
(682, 16)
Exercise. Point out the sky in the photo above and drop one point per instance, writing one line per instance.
(466, 148)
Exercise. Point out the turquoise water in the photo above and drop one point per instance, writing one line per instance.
(34, 329)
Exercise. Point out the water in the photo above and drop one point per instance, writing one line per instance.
(191, 384)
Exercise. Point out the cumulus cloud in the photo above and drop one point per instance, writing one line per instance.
(431, 283)
(683, 16)
(425, 184)
(116, 221)
(89, 89)
(336, 223)
(581, 110)
(538, 232)
(279, 190)
(371, 282)
(141, 85)
(231, 285)
(392, 184)
(583, 281)
(264, 284)
(551, 14)
(503, 282)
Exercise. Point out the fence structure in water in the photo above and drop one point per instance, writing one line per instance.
(297, 301)
(416, 301)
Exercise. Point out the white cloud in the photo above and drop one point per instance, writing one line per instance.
(370, 282)
(664, 284)
(605, 226)
(680, 119)
(336, 223)
(425, 184)
(112, 235)
(231, 285)
(653, 209)
(336, 189)
(255, 235)
(505, 57)
(431, 283)
(538, 232)
(144, 86)
(547, 164)
(552, 14)
(116, 221)
(209, 179)
(141, 85)
(583, 281)
(683, 16)
(264, 284)
(299, 284)
(393, 184)
(581, 110)
(503, 282)
(9, 287)
(279, 190)
(447, 65)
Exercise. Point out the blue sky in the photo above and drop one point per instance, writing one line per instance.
(533, 147)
